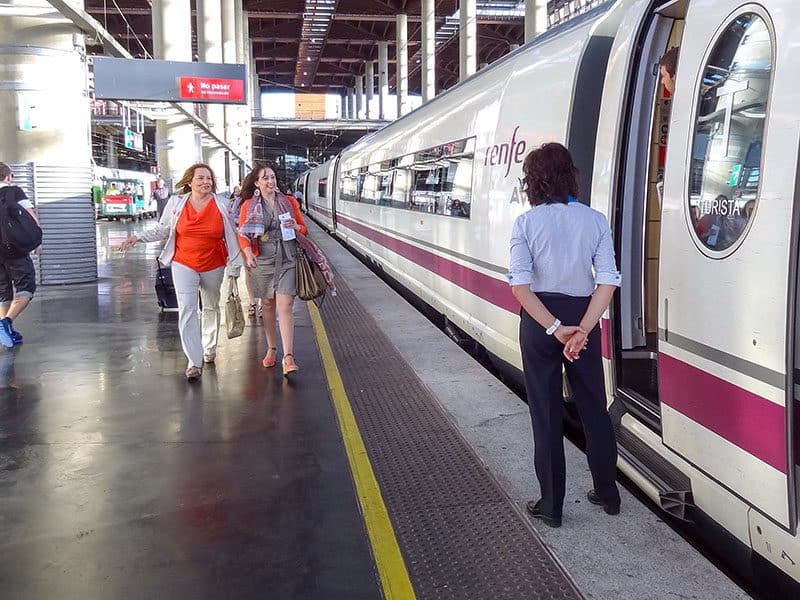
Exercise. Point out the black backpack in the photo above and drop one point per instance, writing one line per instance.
(20, 234)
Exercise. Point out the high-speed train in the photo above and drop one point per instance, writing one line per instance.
(701, 347)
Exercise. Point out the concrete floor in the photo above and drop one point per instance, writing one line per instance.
(631, 556)
(118, 479)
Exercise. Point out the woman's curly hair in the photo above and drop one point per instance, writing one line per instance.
(550, 175)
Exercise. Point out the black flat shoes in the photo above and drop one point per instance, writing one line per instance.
(536, 513)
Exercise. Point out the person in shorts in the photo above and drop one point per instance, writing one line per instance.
(17, 275)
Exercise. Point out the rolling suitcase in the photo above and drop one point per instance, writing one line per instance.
(165, 288)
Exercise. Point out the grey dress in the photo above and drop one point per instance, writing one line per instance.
(276, 260)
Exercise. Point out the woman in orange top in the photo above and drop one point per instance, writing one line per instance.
(265, 218)
(201, 241)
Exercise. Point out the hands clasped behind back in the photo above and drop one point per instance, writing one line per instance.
(574, 338)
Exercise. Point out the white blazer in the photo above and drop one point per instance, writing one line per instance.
(165, 230)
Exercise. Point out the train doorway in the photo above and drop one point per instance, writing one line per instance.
(639, 221)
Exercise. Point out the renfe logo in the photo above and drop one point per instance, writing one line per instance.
(506, 154)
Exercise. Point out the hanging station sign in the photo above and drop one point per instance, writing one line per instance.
(168, 81)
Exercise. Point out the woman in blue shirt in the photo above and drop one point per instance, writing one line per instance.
(564, 275)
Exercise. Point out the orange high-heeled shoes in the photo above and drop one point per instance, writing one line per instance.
(270, 357)
(289, 367)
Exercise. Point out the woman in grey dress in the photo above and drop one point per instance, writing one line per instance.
(265, 218)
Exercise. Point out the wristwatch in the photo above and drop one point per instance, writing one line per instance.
(553, 328)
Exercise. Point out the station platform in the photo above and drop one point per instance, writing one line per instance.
(392, 466)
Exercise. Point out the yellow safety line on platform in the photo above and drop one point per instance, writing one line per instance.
(391, 566)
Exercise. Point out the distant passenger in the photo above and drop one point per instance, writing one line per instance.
(17, 274)
(668, 66)
(161, 194)
(234, 206)
(270, 258)
(201, 241)
(563, 273)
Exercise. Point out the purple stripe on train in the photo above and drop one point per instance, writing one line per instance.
(492, 290)
(746, 420)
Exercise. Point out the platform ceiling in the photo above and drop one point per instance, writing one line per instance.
(321, 45)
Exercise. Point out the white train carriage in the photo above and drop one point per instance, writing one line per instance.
(319, 192)
(700, 345)
(299, 187)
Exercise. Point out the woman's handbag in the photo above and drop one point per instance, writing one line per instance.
(234, 315)
(310, 281)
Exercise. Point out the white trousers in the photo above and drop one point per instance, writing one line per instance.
(196, 341)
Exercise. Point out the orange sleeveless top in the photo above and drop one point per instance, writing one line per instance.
(199, 238)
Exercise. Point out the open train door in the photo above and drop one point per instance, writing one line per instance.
(724, 336)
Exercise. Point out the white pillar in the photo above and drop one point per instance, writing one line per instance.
(243, 57)
(351, 103)
(209, 49)
(359, 96)
(402, 65)
(383, 78)
(112, 158)
(535, 18)
(370, 85)
(172, 40)
(428, 50)
(229, 56)
(467, 38)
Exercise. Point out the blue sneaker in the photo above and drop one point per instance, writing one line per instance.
(17, 337)
(6, 333)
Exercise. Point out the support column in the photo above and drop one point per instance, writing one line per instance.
(209, 48)
(370, 84)
(245, 111)
(535, 18)
(383, 78)
(428, 50)
(229, 56)
(351, 103)
(467, 38)
(176, 139)
(359, 96)
(112, 158)
(46, 134)
(256, 101)
(402, 65)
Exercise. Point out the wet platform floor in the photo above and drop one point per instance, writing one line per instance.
(118, 479)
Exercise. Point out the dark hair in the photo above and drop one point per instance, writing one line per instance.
(249, 183)
(670, 60)
(5, 171)
(550, 175)
(184, 183)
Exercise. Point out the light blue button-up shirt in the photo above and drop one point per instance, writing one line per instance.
(564, 249)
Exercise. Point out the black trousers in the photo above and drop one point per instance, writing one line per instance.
(542, 360)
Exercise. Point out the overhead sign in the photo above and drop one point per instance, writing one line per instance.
(211, 90)
(133, 139)
(168, 81)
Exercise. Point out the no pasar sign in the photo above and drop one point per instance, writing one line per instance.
(211, 90)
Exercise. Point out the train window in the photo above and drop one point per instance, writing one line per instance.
(726, 155)
(441, 179)
(437, 180)
(322, 188)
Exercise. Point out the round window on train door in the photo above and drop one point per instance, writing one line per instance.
(726, 154)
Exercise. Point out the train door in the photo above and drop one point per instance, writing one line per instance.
(639, 217)
(725, 254)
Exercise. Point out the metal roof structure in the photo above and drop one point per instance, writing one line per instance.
(322, 45)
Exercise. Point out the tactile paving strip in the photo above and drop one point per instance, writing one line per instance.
(460, 535)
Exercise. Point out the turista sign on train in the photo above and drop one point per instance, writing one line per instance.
(507, 155)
